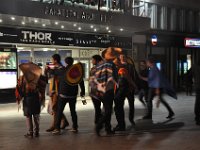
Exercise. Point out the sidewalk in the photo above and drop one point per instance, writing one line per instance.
(180, 133)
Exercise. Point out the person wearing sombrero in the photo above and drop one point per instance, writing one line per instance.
(106, 77)
(71, 78)
(126, 87)
(28, 90)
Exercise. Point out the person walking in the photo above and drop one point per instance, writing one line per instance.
(68, 94)
(143, 84)
(157, 84)
(52, 73)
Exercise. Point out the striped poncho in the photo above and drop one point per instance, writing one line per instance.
(105, 77)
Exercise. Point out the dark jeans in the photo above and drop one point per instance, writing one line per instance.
(61, 105)
(131, 101)
(143, 94)
(197, 106)
(107, 101)
(97, 108)
(119, 106)
(151, 95)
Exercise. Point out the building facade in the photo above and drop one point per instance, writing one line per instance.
(174, 37)
(33, 30)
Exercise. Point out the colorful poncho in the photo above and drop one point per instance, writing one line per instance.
(103, 78)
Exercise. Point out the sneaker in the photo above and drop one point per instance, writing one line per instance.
(56, 132)
(118, 128)
(28, 135)
(170, 115)
(110, 132)
(98, 129)
(36, 134)
(50, 129)
(75, 130)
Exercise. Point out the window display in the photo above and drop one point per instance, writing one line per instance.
(8, 60)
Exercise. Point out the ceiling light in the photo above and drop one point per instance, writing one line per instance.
(20, 48)
(91, 26)
(44, 25)
(62, 27)
(12, 18)
(79, 28)
(36, 21)
(95, 30)
(121, 29)
(23, 23)
(45, 49)
(56, 23)
(1, 20)
(107, 28)
(75, 25)
(109, 31)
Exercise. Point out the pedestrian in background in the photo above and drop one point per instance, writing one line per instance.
(195, 72)
(143, 84)
(157, 84)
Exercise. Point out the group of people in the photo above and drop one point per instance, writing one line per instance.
(60, 92)
(112, 80)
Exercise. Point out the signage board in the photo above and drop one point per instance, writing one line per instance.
(192, 42)
(154, 40)
(42, 37)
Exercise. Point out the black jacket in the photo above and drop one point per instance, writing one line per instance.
(64, 88)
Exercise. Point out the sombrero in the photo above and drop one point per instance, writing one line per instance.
(111, 53)
(74, 74)
(31, 73)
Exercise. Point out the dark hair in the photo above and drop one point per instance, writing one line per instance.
(151, 59)
(57, 58)
(98, 58)
(143, 61)
(69, 61)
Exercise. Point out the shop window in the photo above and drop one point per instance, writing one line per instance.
(43, 53)
(24, 53)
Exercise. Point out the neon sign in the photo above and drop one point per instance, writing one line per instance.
(192, 42)
(154, 40)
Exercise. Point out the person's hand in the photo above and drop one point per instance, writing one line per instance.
(82, 94)
(158, 103)
(157, 91)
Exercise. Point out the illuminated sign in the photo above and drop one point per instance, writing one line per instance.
(192, 42)
(37, 37)
(76, 15)
(8, 80)
(154, 40)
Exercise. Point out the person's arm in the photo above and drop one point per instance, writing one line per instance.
(82, 86)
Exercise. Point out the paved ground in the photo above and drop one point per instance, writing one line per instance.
(181, 133)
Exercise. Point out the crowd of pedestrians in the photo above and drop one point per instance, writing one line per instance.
(113, 79)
